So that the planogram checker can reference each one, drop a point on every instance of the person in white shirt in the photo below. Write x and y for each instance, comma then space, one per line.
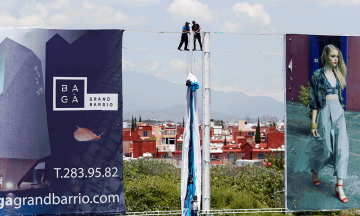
194, 206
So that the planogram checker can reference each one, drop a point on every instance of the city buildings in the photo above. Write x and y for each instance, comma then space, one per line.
228, 143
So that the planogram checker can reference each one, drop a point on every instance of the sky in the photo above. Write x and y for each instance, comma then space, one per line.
252, 73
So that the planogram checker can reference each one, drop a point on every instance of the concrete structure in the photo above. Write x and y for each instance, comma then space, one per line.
240, 145
241, 125
23, 130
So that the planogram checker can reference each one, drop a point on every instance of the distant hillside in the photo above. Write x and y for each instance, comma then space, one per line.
146, 93
174, 113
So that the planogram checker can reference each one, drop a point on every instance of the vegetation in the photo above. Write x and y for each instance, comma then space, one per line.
132, 123
272, 124
257, 135
304, 96
152, 185
276, 161
153, 138
219, 123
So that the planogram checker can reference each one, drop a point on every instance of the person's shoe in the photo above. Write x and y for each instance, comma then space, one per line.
194, 49
317, 182
179, 49
186, 49
344, 200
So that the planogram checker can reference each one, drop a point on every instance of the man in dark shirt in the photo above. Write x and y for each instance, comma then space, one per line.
196, 29
184, 36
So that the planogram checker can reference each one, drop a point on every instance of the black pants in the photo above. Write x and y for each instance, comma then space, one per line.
184, 39
197, 36
194, 213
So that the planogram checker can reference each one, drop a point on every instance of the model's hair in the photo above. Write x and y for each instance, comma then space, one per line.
340, 69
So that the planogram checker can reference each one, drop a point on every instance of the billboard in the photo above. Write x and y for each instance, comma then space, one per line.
322, 122
61, 122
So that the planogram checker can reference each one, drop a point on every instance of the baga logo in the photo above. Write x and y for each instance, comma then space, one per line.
70, 94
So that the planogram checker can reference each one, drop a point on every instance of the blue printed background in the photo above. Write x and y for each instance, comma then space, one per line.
97, 55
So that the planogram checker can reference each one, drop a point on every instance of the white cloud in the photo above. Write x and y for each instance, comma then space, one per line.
256, 12
276, 94
66, 13
34, 20
8, 4
139, 3
99, 14
59, 18
6, 20
153, 66
231, 27
26, 20
177, 82
130, 21
178, 64
88, 6
126, 64
236, 72
191, 9
336, 2
243, 86
59, 4
42, 9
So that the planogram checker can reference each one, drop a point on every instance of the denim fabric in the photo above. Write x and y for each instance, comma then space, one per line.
331, 146
318, 90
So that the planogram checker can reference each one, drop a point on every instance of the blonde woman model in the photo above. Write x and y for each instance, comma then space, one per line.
328, 142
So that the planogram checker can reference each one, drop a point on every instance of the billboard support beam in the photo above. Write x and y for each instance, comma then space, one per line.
206, 93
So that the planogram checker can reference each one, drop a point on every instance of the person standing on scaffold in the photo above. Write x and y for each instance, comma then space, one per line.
184, 36
196, 29
194, 206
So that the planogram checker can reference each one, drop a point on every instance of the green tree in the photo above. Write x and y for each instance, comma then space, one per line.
148, 122
225, 141
135, 122
139, 119
132, 123
183, 122
257, 135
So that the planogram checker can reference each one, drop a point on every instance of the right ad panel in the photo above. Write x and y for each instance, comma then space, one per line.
322, 122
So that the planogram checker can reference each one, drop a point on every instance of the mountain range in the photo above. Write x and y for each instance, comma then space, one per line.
154, 98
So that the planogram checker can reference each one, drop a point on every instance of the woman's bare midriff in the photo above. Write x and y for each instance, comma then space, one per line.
332, 96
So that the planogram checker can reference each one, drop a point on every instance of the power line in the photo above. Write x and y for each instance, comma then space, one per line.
256, 52
171, 32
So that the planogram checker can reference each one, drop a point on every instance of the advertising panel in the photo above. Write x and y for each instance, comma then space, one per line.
322, 122
61, 122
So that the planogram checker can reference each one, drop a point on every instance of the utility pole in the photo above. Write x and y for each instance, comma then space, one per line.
206, 93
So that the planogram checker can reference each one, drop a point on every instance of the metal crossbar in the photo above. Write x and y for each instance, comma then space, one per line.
176, 212
213, 212
244, 211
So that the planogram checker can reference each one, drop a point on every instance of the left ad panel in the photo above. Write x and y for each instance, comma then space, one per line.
61, 113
